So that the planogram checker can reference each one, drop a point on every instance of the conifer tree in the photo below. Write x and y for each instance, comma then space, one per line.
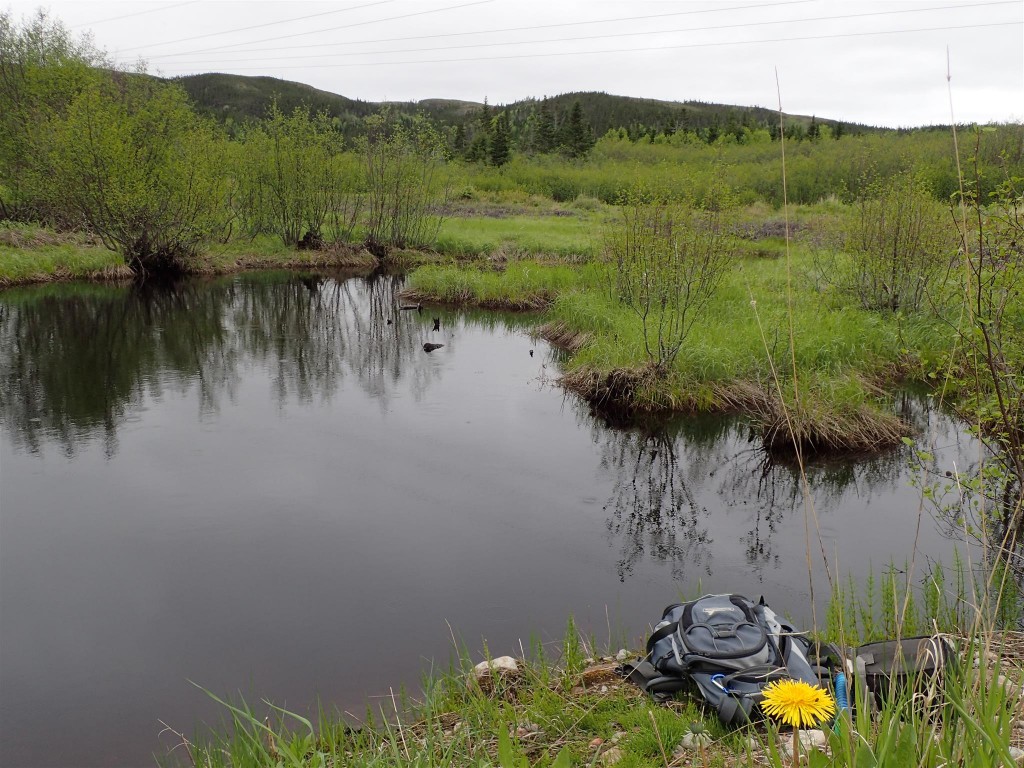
480, 147
545, 137
500, 140
578, 137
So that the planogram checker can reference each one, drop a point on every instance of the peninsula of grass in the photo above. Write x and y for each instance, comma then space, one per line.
850, 361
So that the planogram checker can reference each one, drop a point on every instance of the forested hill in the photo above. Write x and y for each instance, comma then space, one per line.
235, 99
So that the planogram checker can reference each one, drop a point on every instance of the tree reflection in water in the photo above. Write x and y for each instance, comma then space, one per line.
652, 509
76, 360
667, 481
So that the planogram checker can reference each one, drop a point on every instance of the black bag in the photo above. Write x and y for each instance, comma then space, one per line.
916, 662
729, 647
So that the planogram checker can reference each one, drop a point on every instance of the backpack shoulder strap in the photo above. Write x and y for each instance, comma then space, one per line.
658, 634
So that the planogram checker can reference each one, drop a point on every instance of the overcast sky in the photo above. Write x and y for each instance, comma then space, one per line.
881, 62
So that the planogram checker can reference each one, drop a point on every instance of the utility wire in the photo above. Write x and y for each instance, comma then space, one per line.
507, 29
581, 23
343, 26
610, 35
258, 26
646, 49
136, 13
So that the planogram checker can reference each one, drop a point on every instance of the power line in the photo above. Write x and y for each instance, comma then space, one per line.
647, 49
136, 13
257, 26
572, 24
619, 34
343, 26
507, 29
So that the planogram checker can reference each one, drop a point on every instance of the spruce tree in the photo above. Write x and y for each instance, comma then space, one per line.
545, 137
480, 147
500, 140
578, 138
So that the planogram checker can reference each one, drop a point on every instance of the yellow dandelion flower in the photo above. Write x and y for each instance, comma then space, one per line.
797, 703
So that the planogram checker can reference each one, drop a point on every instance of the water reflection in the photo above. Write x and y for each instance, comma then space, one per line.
669, 481
76, 361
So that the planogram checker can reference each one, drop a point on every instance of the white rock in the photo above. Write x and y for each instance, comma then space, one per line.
1017, 753
812, 738
611, 757
500, 665
622, 655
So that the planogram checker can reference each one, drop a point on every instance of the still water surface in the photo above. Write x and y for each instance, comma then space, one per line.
261, 485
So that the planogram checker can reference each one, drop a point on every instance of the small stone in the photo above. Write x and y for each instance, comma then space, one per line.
600, 674
611, 757
595, 743
604, 689
1017, 754
617, 736
485, 673
622, 655
500, 665
812, 738
588, 660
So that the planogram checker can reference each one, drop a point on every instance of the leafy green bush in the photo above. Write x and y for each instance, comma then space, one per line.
406, 180
293, 178
133, 161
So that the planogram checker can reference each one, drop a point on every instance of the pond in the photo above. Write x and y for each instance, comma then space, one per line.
264, 484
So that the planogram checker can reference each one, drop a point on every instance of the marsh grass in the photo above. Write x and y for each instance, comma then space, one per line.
558, 235
521, 285
30, 254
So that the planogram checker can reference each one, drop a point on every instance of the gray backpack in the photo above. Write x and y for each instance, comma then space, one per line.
728, 647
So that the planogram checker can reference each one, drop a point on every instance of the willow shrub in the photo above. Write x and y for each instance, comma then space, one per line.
135, 163
294, 180
407, 182
665, 261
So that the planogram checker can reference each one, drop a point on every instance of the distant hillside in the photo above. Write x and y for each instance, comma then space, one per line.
234, 99
238, 99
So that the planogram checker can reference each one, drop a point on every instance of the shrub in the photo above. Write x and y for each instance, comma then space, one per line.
406, 179
664, 261
293, 180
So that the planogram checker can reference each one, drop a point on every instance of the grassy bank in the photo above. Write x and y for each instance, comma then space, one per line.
566, 705
32, 254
